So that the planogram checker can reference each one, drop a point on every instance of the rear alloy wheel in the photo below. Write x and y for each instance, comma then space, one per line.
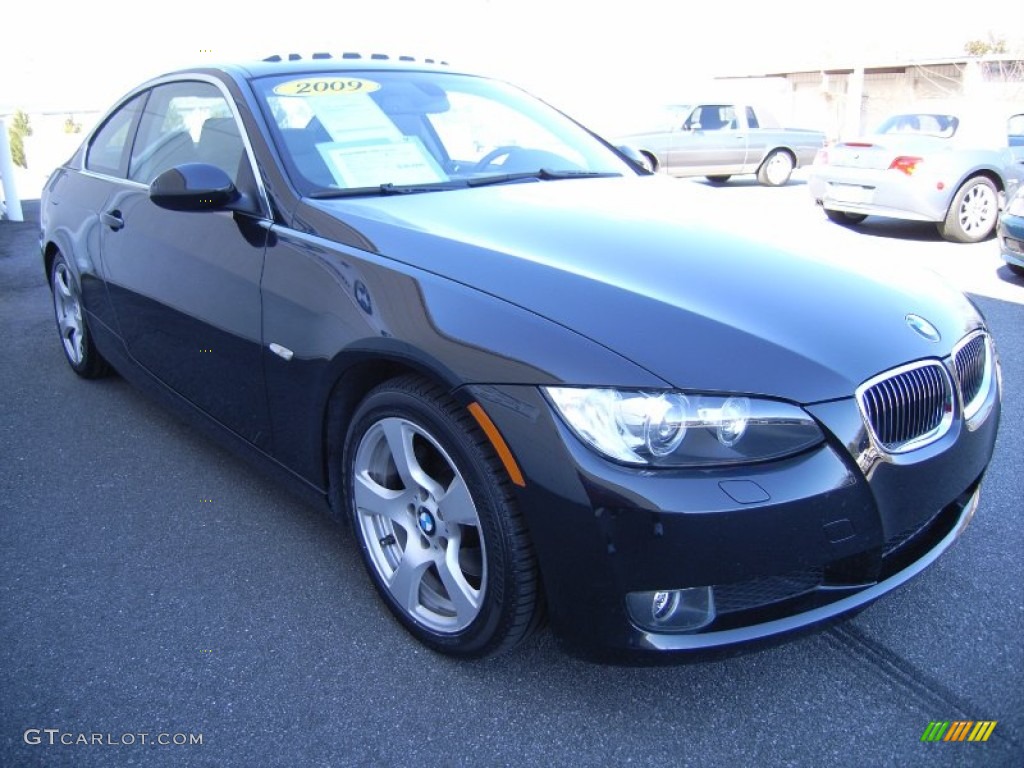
972, 215
776, 168
844, 218
437, 522
79, 350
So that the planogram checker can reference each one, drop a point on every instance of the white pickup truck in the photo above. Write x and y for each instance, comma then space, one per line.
723, 139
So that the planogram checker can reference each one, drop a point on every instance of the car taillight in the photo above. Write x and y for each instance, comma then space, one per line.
905, 164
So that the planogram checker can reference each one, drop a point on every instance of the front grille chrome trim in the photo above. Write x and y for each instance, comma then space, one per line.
908, 407
973, 367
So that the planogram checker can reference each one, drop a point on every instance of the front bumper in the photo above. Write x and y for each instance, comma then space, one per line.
783, 545
1011, 239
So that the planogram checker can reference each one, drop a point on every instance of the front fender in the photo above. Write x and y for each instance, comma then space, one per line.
329, 309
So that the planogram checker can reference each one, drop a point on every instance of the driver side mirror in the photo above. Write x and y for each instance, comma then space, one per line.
640, 159
194, 187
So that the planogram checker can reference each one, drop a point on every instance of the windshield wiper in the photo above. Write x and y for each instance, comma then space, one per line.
545, 174
382, 189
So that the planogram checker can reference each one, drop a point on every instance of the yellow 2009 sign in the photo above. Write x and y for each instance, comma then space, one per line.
326, 86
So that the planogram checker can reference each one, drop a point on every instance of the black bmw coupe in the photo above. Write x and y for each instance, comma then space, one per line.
536, 385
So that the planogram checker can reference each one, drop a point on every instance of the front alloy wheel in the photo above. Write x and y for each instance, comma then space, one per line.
437, 523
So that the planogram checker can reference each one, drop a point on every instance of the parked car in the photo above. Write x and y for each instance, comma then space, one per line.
951, 164
725, 139
1011, 232
529, 380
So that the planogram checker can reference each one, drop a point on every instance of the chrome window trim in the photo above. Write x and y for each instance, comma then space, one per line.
263, 200
108, 177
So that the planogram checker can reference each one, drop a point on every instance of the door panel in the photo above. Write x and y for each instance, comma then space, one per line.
185, 286
718, 145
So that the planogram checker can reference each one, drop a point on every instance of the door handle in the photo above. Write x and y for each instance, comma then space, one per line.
112, 219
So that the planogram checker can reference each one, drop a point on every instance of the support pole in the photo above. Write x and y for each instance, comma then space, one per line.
854, 104
11, 200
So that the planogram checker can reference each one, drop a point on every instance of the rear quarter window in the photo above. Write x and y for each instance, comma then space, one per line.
109, 147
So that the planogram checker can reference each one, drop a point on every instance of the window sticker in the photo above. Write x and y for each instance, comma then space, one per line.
401, 162
354, 119
326, 86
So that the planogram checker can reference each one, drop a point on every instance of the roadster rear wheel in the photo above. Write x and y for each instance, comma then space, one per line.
972, 214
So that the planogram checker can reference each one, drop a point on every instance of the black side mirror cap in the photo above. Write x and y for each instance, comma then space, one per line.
194, 187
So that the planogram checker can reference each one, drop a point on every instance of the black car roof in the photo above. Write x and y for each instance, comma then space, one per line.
291, 63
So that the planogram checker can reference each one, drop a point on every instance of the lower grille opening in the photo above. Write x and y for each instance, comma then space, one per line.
906, 548
767, 598
754, 593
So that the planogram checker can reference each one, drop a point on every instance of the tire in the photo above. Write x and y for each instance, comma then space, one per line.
718, 179
437, 523
973, 213
79, 350
844, 218
776, 168
1017, 269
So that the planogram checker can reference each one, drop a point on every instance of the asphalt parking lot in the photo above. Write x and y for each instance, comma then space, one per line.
152, 583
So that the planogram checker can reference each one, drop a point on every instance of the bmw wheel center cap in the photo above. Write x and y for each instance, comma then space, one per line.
426, 521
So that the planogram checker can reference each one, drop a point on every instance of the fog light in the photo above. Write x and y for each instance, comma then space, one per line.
675, 610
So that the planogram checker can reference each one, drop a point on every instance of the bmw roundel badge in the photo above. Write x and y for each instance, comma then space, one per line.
923, 328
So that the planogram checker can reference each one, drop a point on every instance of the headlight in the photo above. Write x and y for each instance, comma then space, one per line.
1016, 205
676, 429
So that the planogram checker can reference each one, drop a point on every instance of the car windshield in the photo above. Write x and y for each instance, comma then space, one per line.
380, 132
922, 124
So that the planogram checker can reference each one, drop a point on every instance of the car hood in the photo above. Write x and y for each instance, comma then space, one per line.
629, 264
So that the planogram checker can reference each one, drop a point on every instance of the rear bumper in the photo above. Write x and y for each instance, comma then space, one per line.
879, 193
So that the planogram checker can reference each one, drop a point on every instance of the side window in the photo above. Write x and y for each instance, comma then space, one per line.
1015, 131
108, 150
751, 118
713, 117
727, 115
187, 122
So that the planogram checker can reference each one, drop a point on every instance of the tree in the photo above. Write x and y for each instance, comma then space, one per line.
20, 128
983, 47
